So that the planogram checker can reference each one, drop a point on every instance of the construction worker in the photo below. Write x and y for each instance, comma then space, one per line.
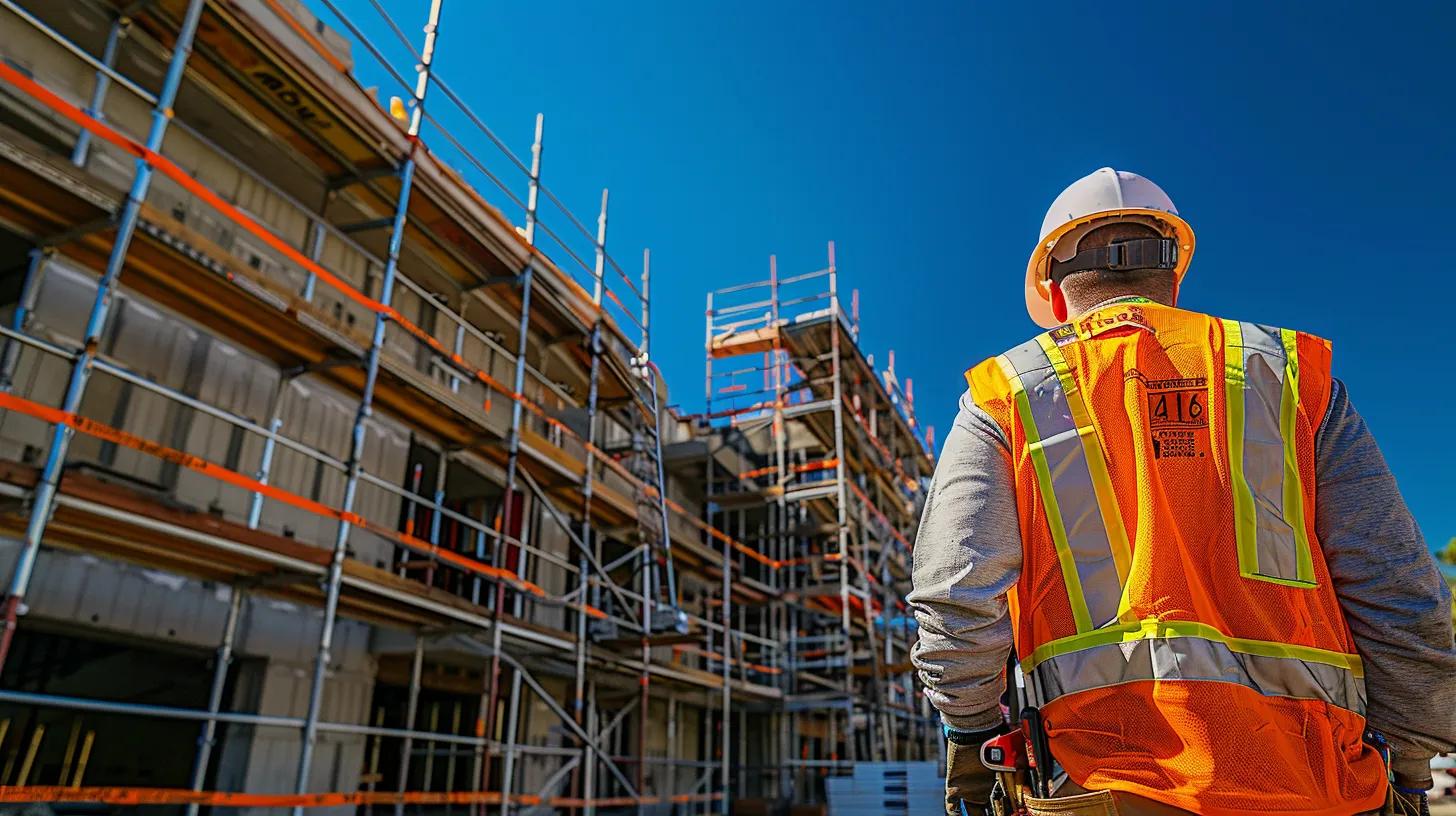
1217, 598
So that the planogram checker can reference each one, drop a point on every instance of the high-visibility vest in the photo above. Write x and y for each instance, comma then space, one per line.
1174, 618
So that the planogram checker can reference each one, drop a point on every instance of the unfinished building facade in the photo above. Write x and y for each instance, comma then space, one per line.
325, 483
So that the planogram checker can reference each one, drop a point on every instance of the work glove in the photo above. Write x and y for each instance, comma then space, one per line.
966, 778
1406, 802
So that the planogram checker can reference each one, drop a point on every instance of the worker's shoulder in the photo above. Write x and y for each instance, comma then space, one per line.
989, 376
1186, 314
986, 377
1309, 343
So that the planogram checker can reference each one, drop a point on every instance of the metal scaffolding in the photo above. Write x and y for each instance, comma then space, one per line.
796, 376
45, 492
627, 607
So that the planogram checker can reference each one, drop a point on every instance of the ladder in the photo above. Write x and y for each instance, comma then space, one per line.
651, 502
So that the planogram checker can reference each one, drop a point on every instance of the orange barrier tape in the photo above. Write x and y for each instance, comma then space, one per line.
757, 667
621, 801
756, 472
734, 412
807, 467
179, 796
106, 433
165, 166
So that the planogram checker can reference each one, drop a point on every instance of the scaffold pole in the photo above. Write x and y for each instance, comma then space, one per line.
43, 500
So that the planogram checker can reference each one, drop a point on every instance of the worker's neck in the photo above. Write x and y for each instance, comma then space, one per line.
1077, 310
1084, 299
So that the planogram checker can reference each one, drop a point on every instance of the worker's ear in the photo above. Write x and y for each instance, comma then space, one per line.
1059, 302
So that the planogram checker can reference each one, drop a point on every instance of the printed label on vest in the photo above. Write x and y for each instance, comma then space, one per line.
1177, 416
1127, 315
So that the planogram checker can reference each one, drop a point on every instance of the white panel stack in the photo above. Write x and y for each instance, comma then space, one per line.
880, 788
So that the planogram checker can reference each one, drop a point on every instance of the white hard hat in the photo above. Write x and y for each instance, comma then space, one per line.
1090, 201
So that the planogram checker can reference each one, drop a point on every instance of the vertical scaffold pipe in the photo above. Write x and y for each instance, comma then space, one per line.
224, 659
412, 706
725, 769
43, 501
508, 772
265, 462
514, 701
578, 708
366, 409
708, 465
649, 567
589, 786
518, 383
97, 106
841, 501
649, 371
40, 258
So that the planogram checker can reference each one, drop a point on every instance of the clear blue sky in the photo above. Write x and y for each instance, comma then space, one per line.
1310, 145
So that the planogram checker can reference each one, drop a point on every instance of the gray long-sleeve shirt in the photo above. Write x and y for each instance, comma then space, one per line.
968, 554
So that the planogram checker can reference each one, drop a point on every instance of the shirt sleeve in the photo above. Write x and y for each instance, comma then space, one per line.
967, 555
1394, 598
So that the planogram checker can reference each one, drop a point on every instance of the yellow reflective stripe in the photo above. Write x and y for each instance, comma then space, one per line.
1193, 660
1096, 462
1293, 485
1049, 498
1154, 628
1245, 516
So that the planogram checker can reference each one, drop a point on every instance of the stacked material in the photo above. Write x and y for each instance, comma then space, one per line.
887, 788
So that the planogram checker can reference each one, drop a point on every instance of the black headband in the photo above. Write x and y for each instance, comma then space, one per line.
1139, 253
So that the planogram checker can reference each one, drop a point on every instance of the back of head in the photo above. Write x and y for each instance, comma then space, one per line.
1088, 287
1109, 233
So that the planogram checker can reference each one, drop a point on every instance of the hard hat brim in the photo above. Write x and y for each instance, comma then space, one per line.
1038, 268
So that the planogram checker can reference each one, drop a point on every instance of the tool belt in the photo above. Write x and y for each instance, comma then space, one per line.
1013, 798
1096, 803
1013, 794
1019, 802
1025, 769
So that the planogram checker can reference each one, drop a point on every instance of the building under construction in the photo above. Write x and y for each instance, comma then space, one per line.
337, 471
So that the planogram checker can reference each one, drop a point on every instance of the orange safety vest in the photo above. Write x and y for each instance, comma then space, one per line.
1174, 618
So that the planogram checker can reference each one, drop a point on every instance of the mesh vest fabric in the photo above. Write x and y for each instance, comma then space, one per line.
1201, 659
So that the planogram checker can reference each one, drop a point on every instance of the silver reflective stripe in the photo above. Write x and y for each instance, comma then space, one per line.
1276, 546
1177, 659
1071, 480
1264, 448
